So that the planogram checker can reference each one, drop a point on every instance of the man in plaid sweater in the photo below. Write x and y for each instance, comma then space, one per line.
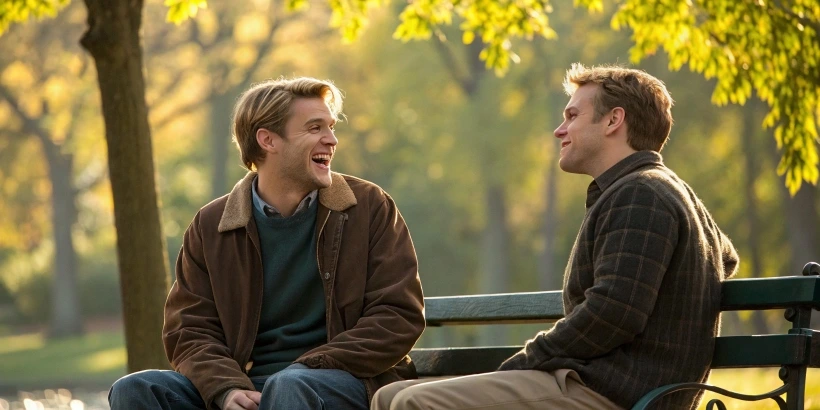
642, 285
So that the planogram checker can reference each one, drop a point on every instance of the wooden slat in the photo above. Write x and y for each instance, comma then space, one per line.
761, 351
528, 307
771, 293
459, 361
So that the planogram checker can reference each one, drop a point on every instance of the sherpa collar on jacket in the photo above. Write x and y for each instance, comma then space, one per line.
239, 206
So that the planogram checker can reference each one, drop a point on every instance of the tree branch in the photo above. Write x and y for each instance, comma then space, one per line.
30, 125
182, 110
802, 20
449, 60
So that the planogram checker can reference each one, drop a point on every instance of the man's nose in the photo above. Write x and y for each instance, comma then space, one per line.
560, 131
330, 139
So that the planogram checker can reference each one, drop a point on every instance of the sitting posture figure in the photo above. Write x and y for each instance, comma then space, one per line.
642, 284
300, 288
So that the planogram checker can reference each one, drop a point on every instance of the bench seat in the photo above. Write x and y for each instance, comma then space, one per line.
794, 351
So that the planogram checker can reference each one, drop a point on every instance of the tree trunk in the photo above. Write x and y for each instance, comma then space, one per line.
548, 277
113, 40
495, 266
221, 106
748, 133
802, 222
66, 319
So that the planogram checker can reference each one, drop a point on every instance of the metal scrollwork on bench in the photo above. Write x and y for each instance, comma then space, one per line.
811, 269
656, 395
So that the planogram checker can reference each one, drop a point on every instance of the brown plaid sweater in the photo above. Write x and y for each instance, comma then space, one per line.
641, 289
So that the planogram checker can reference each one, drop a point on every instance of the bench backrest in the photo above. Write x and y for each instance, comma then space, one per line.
799, 295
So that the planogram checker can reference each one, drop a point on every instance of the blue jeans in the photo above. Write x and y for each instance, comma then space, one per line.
296, 387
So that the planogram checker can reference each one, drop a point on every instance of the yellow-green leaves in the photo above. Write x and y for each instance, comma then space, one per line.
181, 10
350, 16
495, 22
12, 11
297, 5
591, 5
760, 46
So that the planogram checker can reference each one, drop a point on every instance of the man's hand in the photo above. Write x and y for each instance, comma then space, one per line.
242, 400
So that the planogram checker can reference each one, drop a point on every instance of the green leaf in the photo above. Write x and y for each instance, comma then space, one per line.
17, 11
181, 10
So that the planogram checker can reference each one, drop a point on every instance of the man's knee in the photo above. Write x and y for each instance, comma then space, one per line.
127, 387
385, 395
411, 398
290, 379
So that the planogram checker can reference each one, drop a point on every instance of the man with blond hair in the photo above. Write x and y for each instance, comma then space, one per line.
297, 290
642, 285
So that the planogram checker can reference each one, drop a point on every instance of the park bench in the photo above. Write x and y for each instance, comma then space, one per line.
793, 351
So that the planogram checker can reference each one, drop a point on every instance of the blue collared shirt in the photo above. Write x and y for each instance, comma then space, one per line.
272, 212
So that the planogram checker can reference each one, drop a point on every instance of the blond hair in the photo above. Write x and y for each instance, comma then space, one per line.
267, 105
643, 97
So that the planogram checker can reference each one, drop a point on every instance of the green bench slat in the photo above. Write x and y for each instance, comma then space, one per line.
801, 347
496, 308
737, 294
761, 351
730, 352
459, 361
770, 293
531, 307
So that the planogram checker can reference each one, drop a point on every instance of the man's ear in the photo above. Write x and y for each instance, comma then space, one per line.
616, 120
268, 140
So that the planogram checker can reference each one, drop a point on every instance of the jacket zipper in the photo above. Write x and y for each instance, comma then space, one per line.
247, 356
318, 237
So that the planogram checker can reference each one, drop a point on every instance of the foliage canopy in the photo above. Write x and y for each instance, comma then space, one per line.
21, 10
769, 47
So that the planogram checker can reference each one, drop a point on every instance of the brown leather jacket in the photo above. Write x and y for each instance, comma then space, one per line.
374, 303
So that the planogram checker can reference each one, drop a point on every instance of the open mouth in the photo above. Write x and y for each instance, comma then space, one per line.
564, 143
321, 159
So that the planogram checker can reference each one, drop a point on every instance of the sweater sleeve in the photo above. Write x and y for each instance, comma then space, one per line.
635, 237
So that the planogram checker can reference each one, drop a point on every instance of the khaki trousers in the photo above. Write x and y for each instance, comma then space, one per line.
508, 390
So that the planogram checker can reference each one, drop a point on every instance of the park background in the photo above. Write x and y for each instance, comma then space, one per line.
467, 153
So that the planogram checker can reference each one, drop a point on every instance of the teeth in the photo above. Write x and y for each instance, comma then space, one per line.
325, 157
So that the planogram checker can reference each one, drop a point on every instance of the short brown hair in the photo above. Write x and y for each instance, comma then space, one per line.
643, 97
267, 105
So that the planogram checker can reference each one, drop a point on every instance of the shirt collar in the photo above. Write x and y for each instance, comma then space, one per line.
619, 170
270, 211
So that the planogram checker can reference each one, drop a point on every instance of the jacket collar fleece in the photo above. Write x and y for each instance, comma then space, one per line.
239, 207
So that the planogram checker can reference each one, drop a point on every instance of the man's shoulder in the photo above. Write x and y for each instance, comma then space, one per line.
652, 186
211, 213
364, 189
656, 179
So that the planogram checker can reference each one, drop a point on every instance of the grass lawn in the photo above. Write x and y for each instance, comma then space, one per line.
29, 361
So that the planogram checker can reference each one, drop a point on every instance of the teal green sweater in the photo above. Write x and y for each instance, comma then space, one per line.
293, 303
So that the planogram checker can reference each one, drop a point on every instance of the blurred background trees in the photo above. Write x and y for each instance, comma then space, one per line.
469, 156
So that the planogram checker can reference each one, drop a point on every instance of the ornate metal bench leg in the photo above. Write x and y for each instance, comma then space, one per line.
656, 395
795, 378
